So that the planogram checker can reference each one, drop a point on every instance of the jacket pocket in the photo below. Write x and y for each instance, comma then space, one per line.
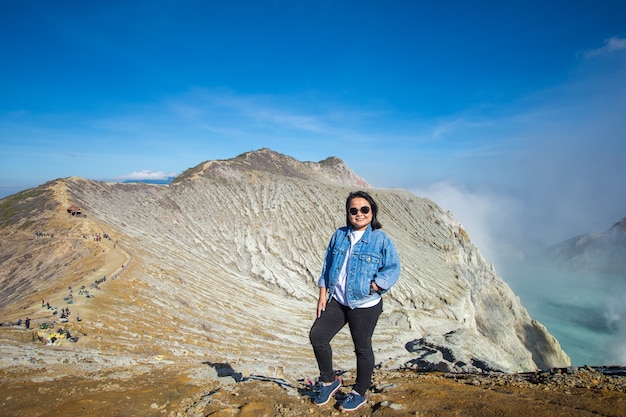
367, 270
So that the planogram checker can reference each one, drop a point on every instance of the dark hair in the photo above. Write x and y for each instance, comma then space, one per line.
375, 223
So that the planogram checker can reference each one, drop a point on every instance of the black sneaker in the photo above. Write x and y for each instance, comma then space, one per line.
327, 392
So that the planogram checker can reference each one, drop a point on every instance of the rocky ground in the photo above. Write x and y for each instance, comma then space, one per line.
179, 390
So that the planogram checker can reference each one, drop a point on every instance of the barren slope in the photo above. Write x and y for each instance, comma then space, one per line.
221, 266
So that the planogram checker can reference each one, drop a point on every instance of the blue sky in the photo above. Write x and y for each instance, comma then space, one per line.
510, 114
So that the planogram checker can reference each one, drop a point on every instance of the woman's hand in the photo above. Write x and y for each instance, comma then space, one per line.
321, 302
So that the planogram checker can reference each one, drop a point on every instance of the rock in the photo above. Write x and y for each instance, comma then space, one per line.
256, 409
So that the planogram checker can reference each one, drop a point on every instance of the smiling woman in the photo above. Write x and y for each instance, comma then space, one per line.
360, 265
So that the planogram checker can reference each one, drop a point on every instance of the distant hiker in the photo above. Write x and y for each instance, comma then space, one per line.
27, 323
360, 265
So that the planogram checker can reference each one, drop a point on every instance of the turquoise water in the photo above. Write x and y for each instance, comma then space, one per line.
586, 312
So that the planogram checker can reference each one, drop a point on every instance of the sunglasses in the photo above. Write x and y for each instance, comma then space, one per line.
354, 210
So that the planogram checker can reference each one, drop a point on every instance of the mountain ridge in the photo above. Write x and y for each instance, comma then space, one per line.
225, 266
331, 170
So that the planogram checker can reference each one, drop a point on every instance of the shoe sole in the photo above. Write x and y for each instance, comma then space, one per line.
332, 394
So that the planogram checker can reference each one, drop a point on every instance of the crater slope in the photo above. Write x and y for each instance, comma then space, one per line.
221, 267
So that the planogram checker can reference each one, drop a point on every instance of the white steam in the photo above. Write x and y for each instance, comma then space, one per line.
615, 315
490, 219
585, 311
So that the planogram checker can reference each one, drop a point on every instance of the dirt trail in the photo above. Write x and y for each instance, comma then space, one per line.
69, 288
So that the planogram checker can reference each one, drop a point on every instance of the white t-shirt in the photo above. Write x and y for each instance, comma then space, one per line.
340, 287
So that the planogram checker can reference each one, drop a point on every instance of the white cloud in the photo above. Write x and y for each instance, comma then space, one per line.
610, 45
147, 175
249, 115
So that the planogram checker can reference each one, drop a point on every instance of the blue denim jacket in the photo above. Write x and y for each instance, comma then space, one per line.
374, 258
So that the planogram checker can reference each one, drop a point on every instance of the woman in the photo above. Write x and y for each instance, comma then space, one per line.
360, 265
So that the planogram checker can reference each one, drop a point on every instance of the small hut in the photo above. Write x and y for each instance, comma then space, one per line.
74, 210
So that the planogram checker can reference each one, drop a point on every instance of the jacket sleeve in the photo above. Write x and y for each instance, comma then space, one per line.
389, 272
328, 262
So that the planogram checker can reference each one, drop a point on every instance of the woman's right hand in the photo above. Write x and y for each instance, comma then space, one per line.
321, 302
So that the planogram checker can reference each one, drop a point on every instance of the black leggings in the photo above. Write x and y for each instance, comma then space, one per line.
362, 322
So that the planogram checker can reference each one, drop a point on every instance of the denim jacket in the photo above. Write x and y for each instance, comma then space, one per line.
374, 258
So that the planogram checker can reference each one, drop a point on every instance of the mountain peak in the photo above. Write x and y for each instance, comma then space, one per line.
265, 161
601, 252
620, 226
